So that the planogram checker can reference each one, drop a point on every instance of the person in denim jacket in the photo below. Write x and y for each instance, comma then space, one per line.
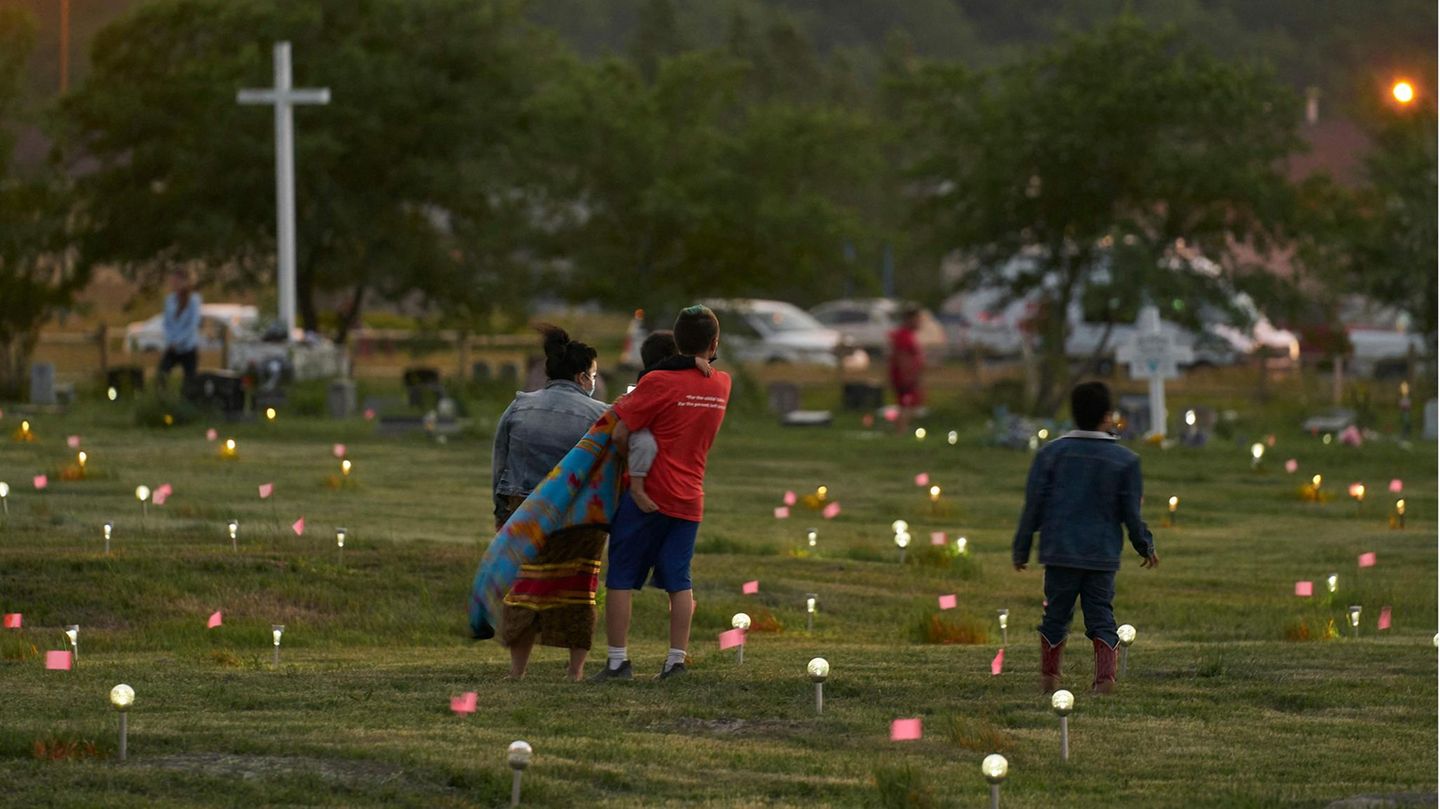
553, 600
1082, 489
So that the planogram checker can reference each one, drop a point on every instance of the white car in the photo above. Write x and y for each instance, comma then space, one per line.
867, 323
217, 321
1382, 338
761, 331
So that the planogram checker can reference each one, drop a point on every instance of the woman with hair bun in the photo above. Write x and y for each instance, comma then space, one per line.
553, 599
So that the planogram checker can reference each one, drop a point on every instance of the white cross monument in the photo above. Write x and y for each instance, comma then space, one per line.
284, 96
1153, 354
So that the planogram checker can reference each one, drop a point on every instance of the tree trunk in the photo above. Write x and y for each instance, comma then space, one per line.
351, 316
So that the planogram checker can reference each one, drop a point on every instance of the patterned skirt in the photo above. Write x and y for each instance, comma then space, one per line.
554, 595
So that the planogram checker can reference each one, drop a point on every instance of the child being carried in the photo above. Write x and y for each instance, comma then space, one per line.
659, 353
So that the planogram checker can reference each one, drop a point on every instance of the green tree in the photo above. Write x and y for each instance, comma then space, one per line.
1105, 160
400, 180
37, 276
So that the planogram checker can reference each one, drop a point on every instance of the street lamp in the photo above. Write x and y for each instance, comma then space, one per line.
122, 697
995, 768
818, 669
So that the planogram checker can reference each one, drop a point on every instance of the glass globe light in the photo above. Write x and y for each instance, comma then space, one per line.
108, 528
919, 433
1062, 702
4, 489
1126, 633
345, 467
229, 445
995, 768
902, 539
1004, 616
1315, 481
1174, 503
276, 630
740, 621
81, 457
810, 603
122, 697
1257, 451
270, 413
822, 492
953, 438
1043, 434
519, 754
962, 545
1189, 418
811, 536
111, 393
339, 537
899, 526
818, 668
142, 493
1354, 615
1332, 582
234, 528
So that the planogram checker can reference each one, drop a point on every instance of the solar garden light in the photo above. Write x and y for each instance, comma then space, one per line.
340, 544
111, 393
962, 546
1004, 617
230, 451
740, 621
810, 612
276, 630
234, 528
1332, 582
995, 768
80, 458
818, 669
122, 697
72, 633
1357, 491
5, 497
1174, 511
345, 467
1062, 702
107, 529
822, 492
902, 537
1257, 451
1355, 619
1127, 637
142, 493
953, 438
934, 494
270, 414
811, 535
1399, 513
519, 754
919, 433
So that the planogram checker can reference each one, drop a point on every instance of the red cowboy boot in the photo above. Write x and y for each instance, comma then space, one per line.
1104, 668
1050, 665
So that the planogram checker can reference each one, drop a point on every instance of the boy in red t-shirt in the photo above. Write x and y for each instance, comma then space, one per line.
683, 410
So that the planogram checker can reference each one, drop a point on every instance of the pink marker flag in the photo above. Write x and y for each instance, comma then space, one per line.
947, 602
831, 511
1367, 559
1384, 622
782, 512
998, 663
338, 450
465, 703
266, 489
731, 638
41, 481
211, 434
13, 620
922, 479
73, 442
905, 730
369, 414
1304, 589
1292, 465
937, 538
750, 588
298, 527
1397, 486
214, 620
159, 497
789, 498
165, 489
56, 660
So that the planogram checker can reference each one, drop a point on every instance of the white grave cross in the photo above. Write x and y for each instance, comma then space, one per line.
284, 96
1154, 354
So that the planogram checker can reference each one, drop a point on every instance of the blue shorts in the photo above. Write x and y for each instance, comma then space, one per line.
641, 542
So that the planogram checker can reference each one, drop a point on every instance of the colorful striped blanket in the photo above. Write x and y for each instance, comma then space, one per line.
583, 489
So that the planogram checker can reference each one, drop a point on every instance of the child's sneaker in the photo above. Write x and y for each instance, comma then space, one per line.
677, 670
607, 674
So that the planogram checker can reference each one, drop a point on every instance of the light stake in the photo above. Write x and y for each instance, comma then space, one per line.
810, 612
1063, 702
1315, 485
995, 768
934, 494
821, 493
1004, 617
270, 414
1400, 513
1357, 491
1174, 511
1127, 637
234, 528
5, 497
1257, 451
902, 540
811, 535
72, 632
919, 433
111, 393
962, 546
1332, 582
122, 697
1043, 434
345, 467
1355, 619
276, 630
519, 755
953, 438
740, 621
142, 493
340, 545
230, 450
108, 529
80, 458
818, 669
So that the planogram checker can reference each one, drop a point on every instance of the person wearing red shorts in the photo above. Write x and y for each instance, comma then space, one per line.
907, 364
683, 410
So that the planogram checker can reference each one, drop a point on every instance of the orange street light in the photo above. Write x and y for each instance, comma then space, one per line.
1403, 91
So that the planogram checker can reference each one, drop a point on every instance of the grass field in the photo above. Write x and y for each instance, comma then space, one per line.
1222, 706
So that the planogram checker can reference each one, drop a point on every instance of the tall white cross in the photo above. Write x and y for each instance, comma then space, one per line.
284, 96
1155, 355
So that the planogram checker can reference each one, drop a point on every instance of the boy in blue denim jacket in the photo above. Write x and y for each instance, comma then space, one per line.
1082, 488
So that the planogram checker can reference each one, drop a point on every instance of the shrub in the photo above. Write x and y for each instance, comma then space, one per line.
904, 788
936, 627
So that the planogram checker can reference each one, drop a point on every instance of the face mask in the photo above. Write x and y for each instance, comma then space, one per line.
591, 392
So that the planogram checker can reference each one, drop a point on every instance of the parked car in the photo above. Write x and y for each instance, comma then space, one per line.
762, 331
218, 321
867, 322
1382, 338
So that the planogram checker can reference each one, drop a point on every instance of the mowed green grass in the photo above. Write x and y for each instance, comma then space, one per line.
1218, 708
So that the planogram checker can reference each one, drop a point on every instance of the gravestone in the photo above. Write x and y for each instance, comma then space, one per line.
1154, 355
42, 383
340, 398
222, 390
